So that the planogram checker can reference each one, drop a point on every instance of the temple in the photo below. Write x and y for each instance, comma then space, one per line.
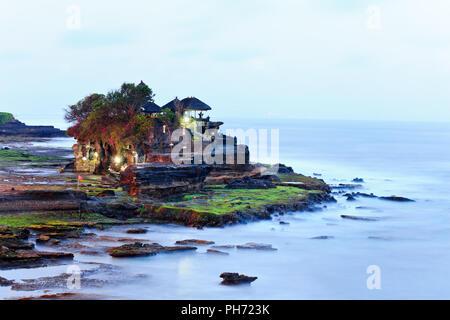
191, 116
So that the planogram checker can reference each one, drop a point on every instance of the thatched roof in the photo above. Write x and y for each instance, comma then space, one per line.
150, 107
171, 105
193, 103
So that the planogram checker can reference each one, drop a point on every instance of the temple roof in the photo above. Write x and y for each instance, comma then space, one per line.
193, 103
150, 107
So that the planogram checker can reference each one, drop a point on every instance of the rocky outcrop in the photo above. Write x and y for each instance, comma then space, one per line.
41, 200
233, 278
249, 183
17, 128
193, 241
162, 180
138, 249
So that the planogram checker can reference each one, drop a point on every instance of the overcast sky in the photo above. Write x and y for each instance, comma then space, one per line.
382, 60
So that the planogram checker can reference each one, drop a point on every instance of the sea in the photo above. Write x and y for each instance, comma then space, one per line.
402, 252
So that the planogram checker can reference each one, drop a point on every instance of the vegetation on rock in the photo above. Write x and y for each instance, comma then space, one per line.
5, 117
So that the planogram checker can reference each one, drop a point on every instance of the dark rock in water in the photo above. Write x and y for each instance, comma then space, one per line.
213, 251
236, 278
14, 258
224, 246
17, 128
106, 193
344, 216
358, 180
193, 241
350, 198
5, 282
139, 249
249, 183
256, 246
360, 194
283, 169
284, 222
322, 237
12, 238
162, 180
137, 231
346, 186
395, 198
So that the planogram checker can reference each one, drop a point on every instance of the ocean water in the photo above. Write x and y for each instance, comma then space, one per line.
409, 243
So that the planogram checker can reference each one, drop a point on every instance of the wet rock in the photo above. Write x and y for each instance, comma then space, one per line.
140, 249
284, 223
358, 180
233, 278
351, 198
224, 246
10, 257
12, 238
56, 282
106, 193
43, 238
137, 231
344, 216
218, 252
194, 241
346, 186
322, 237
256, 246
67, 296
249, 183
133, 250
5, 282
395, 198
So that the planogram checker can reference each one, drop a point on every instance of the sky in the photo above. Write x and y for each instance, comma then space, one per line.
266, 59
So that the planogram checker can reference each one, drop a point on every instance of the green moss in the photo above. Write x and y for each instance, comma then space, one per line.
223, 201
5, 117
17, 155
296, 177
22, 220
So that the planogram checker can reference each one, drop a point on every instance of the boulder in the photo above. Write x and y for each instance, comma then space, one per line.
256, 246
218, 252
140, 249
137, 231
194, 241
233, 278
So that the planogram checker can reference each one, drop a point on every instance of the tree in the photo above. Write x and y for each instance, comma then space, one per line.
112, 122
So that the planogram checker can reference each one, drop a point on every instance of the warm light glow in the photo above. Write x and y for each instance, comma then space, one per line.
84, 159
96, 154
117, 159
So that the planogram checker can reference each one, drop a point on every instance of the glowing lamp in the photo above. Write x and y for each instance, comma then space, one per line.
117, 160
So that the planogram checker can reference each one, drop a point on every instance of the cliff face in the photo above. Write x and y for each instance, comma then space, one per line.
161, 180
17, 128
